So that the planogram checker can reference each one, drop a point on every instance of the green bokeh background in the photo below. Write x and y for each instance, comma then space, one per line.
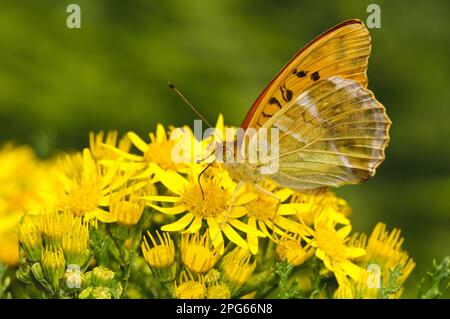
57, 84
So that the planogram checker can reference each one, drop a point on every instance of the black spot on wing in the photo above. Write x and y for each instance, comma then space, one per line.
315, 76
301, 74
286, 93
274, 100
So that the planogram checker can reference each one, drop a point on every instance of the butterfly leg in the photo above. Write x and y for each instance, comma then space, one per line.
266, 192
233, 198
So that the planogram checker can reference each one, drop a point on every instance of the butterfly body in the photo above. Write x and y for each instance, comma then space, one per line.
331, 130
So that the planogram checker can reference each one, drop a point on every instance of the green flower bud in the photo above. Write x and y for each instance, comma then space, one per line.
36, 269
24, 274
102, 276
85, 293
101, 293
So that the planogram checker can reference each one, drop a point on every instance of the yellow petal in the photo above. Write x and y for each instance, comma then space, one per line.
110, 174
168, 199
344, 231
246, 228
263, 227
320, 254
238, 212
351, 269
180, 224
146, 174
289, 209
160, 134
172, 180
125, 155
195, 226
215, 233
104, 217
233, 236
88, 163
288, 224
252, 239
169, 210
283, 194
138, 142
220, 124
355, 252
245, 198
327, 263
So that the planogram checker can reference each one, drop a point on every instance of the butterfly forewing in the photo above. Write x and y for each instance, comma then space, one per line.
341, 51
333, 133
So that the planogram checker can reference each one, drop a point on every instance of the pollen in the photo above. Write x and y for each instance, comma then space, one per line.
329, 241
212, 203
161, 154
82, 199
263, 208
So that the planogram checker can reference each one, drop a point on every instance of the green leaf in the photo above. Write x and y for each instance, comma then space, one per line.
438, 280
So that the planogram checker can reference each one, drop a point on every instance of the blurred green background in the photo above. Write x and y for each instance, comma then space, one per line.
57, 84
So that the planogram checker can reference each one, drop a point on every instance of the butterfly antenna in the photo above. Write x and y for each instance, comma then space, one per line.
174, 88
200, 175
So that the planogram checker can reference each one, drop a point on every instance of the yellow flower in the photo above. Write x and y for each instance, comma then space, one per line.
189, 288
384, 252
211, 205
87, 187
176, 152
160, 256
22, 180
127, 206
197, 254
331, 248
100, 152
236, 268
291, 250
309, 206
266, 212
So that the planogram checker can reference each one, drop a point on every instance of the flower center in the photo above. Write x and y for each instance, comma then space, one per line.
82, 199
213, 202
161, 154
330, 242
262, 208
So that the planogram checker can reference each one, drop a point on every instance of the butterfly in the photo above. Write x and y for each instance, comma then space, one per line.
332, 130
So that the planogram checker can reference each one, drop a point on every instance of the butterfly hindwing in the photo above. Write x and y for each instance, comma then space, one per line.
341, 51
333, 133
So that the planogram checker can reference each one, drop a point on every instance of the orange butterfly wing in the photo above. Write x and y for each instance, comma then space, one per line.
341, 51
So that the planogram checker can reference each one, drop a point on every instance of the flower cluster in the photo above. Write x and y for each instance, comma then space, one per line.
123, 218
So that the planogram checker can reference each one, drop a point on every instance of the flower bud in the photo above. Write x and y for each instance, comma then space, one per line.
31, 241
53, 266
101, 293
102, 276
236, 269
219, 291
160, 256
24, 274
197, 254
